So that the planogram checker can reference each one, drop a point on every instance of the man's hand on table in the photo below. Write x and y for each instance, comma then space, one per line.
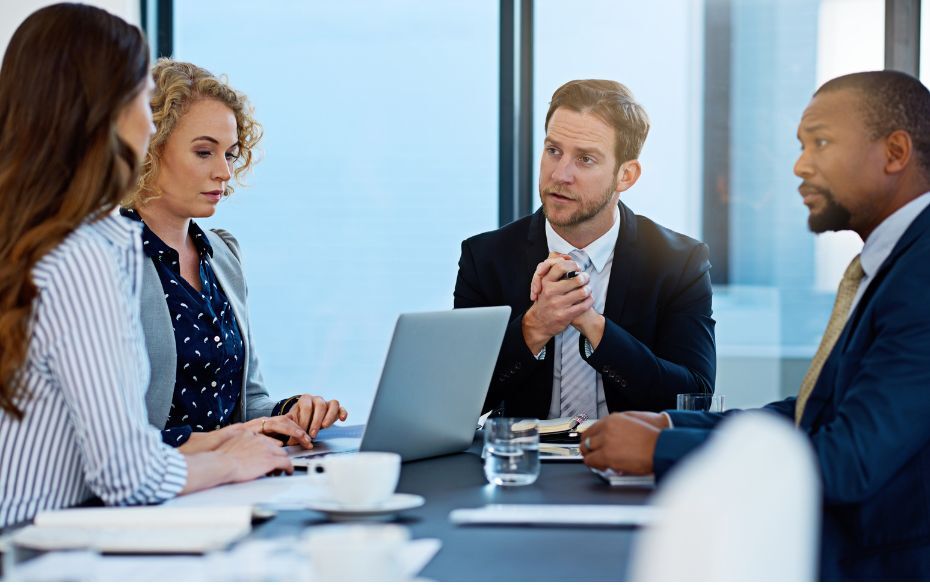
624, 442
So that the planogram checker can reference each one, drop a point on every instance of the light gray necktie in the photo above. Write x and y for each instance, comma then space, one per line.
578, 389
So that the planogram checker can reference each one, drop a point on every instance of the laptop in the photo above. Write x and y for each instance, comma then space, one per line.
433, 385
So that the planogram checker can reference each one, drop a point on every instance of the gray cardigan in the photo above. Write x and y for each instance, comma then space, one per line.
254, 402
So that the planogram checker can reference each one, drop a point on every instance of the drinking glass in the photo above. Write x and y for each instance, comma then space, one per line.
511, 448
705, 402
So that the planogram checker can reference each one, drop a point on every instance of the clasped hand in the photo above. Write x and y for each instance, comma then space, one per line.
559, 303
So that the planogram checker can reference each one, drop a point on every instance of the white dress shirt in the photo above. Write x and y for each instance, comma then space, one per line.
883, 239
85, 430
601, 253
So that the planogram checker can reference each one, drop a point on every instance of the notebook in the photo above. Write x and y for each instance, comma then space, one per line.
147, 529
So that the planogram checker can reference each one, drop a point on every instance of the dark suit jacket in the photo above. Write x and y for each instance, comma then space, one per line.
868, 419
659, 336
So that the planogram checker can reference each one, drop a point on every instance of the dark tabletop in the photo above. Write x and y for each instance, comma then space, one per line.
503, 553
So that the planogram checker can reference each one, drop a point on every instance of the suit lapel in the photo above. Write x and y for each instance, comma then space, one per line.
537, 248
624, 265
825, 386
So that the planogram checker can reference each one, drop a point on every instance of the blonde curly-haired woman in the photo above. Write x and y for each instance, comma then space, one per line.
205, 372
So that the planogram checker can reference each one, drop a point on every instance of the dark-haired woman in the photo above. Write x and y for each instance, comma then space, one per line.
74, 125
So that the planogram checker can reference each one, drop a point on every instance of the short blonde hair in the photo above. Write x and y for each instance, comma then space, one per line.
177, 86
613, 103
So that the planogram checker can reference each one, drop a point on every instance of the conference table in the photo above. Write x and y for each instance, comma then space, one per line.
503, 553
495, 552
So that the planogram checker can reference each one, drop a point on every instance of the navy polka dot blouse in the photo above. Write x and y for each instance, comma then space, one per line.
210, 351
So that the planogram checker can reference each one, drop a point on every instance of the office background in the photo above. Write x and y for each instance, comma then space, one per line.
394, 129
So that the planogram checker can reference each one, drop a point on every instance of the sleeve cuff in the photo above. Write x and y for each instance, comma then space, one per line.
668, 418
283, 406
541, 355
176, 436
588, 348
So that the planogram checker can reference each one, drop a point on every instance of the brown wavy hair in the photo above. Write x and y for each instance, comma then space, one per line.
67, 74
178, 85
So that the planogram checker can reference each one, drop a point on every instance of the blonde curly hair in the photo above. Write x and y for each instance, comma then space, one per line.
177, 86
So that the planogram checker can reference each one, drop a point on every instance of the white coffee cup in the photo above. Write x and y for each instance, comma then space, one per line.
357, 552
357, 479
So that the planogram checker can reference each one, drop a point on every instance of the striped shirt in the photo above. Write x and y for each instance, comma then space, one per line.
85, 431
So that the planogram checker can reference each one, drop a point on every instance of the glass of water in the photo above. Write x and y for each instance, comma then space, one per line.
704, 402
511, 448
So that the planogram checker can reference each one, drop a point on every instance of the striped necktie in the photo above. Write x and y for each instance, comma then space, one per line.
844, 298
578, 388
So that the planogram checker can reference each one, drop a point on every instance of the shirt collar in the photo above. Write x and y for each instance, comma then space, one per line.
116, 230
600, 251
154, 247
882, 240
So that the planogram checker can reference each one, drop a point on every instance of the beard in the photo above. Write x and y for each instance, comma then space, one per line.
587, 210
833, 217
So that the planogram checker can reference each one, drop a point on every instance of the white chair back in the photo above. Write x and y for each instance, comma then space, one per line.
745, 507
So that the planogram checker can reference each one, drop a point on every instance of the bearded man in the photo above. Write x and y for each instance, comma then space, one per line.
611, 311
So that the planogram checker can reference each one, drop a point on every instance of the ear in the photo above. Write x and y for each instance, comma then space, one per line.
899, 149
628, 175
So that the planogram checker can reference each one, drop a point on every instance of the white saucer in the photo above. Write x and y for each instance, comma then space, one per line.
384, 510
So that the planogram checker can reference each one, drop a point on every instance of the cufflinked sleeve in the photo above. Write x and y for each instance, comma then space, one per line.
683, 356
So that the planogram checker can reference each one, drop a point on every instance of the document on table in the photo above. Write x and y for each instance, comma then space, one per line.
555, 515
283, 492
280, 559
617, 479
149, 529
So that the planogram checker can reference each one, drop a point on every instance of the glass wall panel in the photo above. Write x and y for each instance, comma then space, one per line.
380, 156
731, 153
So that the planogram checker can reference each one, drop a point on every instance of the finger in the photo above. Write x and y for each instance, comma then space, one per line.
562, 287
559, 268
541, 270
596, 460
283, 463
284, 425
304, 408
343, 414
579, 295
332, 412
319, 410
579, 309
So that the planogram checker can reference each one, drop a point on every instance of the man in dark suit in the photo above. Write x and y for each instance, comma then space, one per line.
865, 402
611, 311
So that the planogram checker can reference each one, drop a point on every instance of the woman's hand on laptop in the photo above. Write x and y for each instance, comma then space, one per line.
282, 428
313, 413
254, 455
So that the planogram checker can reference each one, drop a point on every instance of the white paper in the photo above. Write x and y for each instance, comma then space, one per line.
617, 479
542, 514
145, 517
150, 529
254, 560
279, 493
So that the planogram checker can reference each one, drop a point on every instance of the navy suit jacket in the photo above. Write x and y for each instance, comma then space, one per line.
659, 336
868, 419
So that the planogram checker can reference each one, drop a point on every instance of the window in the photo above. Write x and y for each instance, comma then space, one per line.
725, 83
381, 149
